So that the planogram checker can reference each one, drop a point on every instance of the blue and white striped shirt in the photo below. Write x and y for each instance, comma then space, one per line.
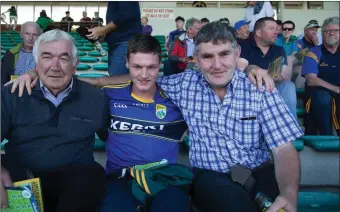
219, 136
25, 62
56, 100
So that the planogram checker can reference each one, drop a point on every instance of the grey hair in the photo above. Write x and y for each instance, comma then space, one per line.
331, 20
55, 35
190, 22
216, 32
31, 23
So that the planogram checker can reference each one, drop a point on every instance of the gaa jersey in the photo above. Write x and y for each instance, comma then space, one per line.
141, 131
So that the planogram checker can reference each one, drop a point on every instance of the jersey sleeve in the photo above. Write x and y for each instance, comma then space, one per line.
311, 62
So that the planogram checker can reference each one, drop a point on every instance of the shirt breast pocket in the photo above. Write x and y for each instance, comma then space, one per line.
247, 132
80, 127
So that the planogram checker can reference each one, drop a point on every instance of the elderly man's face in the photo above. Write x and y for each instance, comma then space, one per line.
217, 62
330, 34
55, 65
29, 35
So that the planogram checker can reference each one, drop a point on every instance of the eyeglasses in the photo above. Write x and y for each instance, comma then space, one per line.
289, 29
329, 31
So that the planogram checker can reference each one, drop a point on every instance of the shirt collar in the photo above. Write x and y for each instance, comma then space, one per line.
24, 51
44, 89
187, 38
324, 49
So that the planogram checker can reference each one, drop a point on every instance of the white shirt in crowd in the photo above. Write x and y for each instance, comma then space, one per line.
266, 11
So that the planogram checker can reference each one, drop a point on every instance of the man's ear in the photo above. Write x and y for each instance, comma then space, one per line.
127, 63
238, 51
258, 32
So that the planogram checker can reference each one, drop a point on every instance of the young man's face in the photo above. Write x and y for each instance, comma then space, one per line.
287, 30
268, 32
217, 62
179, 24
144, 69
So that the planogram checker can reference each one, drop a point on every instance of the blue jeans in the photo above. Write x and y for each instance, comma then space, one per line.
117, 59
119, 198
287, 91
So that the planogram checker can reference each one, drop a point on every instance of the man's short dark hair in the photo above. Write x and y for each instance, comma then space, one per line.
225, 20
279, 22
67, 12
205, 20
143, 43
179, 18
261, 22
216, 32
289, 22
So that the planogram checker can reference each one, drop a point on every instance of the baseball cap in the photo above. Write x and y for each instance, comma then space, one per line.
312, 24
240, 24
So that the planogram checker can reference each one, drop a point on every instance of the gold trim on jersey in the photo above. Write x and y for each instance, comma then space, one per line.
119, 85
141, 99
145, 134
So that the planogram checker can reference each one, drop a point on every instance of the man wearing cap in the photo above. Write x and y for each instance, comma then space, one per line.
310, 38
242, 30
321, 69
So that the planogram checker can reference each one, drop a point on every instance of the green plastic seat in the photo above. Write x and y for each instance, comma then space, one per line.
94, 54
299, 145
99, 144
92, 75
300, 91
164, 54
83, 41
105, 59
104, 44
79, 44
81, 53
322, 143
318, 201
300, 111
186, 141
164, 60
7, 47
88, 59
106, 48
5, 141
100, 67
83, 67
7, 44
89, 44
85, 48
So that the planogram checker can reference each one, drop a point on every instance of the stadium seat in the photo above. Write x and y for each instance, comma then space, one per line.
88, 59
3, 144
85, 48
100, 67
7, 47
300, 91
83, 67
299, 145
318, 201
89, 44
164, 54
300, 111
79, 44
322, 143
105, 59
99, 144
92, 75
7, 44
81, 53
83, 41
94, 54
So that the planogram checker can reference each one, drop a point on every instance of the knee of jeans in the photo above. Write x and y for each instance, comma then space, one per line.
321, 98
288, 91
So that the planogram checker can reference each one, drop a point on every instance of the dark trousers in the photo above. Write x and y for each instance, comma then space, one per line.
216, 192
119, 198
319, 119
76, 188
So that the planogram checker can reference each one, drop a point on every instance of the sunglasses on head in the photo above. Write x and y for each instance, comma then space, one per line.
313, 22
289, 29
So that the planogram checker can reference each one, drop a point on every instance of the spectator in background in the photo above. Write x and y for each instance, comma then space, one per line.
147, 29
279, 27
97, 18
67, 17
260, 51
179, 30
66, 27
287, 40
43, 21
85, 18
257, 10
182, 49
242, 30
225, 20
122, 22
19, 59
204, 21
321, 69
310, 38
13, 16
